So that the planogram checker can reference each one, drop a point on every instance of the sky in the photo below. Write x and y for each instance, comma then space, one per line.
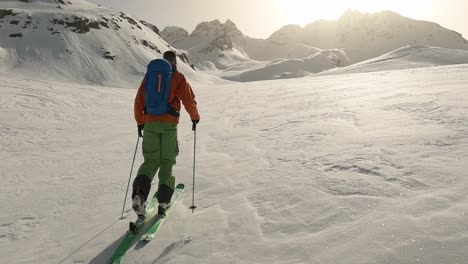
260, 18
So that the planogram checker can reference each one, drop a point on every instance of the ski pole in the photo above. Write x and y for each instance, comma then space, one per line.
194, 128
131, 170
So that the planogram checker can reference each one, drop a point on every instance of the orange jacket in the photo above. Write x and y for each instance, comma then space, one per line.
180, 90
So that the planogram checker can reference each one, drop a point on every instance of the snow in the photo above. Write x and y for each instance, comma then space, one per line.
353, 168
319, 61
80, 42
411, 56
308, 157
87, 44
67, 4
288, 52
376, 33
173, 34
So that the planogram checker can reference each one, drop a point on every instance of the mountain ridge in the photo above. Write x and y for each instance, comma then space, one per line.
87, 43
218, 47
380, 32
79, 41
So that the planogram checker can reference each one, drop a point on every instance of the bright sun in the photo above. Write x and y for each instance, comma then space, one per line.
303, 12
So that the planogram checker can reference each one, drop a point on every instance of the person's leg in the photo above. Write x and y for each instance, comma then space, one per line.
152, 160
169, 152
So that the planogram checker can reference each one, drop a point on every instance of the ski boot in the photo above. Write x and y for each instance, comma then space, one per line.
162, 209
139, 207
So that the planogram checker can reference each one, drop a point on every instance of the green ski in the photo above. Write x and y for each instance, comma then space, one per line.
157, 221
130, 238
143, 225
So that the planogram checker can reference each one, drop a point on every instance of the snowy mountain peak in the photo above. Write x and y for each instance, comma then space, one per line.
351, 13
285, 34
215, 29
386, 16
173, 34
373, 34
296, 51
79, 42
291, 28
211, 37
230, 23
206, 28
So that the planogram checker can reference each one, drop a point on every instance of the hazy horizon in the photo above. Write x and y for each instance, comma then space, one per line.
261, 18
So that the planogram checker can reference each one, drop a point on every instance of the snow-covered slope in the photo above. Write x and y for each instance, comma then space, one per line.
405, 58
320, 61
327, 62
78, 41
365, 36
212, 45
292, 51
345, 169
81, 42
222, 50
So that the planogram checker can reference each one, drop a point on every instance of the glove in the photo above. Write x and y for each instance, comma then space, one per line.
194, 124
140, 130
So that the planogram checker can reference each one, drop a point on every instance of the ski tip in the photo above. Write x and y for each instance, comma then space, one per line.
180, 186
147, 239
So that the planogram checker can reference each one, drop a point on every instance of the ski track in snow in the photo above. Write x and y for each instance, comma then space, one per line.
356, 168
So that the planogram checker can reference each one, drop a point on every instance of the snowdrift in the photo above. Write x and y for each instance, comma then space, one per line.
290, 68
411, 56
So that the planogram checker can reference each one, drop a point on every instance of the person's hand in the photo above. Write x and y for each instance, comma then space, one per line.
140, 130
194, 124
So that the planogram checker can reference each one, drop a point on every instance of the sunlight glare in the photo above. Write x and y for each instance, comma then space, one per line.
303, 12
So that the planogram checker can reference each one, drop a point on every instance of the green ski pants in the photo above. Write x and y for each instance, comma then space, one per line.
160, 149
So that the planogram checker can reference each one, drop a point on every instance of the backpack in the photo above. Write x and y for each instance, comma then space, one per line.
157, 87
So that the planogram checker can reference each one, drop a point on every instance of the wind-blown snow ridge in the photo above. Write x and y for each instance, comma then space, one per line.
406, 57
290, 68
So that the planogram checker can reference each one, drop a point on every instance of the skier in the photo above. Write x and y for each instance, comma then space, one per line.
160, 146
